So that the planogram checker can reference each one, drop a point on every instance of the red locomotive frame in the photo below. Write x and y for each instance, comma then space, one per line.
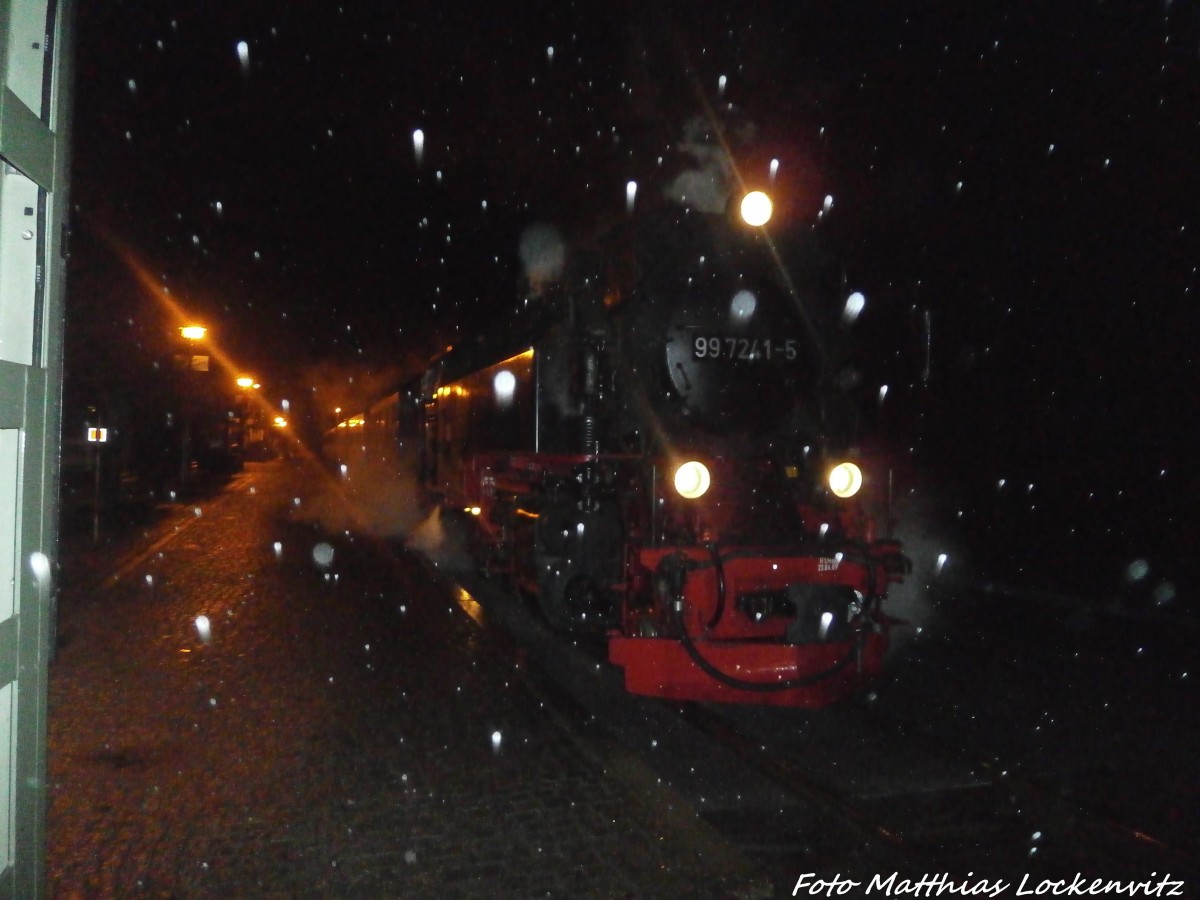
699, 620
613, 464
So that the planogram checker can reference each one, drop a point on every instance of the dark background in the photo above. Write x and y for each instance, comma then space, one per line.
1013, 190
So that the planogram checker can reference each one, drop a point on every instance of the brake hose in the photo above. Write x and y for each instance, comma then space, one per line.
759, 686
774, 686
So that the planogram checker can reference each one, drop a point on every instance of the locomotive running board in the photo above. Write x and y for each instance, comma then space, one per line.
661, 667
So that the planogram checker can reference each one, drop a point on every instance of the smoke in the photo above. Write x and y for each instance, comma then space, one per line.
543, 255
364, 495
442, 539
337, 391
935, 557
707, 184
383, 498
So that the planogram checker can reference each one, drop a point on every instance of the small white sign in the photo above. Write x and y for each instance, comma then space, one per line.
97, 435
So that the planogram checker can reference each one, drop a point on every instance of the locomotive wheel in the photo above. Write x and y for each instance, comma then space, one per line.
571, 602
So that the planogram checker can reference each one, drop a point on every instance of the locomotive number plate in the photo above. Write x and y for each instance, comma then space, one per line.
745, 348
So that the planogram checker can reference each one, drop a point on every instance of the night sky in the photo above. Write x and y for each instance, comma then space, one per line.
1012, 188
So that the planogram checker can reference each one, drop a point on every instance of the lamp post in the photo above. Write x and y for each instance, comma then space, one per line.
193, 362
252, 430
96, 438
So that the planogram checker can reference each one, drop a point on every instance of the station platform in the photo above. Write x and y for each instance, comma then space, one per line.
244, 703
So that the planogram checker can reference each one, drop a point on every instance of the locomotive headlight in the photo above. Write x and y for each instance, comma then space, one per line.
845, 479
756, 208
692, 480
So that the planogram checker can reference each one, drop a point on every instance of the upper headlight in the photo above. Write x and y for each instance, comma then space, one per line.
692, 480
756, 208
845, 479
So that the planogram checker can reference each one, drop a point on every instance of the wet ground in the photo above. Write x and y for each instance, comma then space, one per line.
1097, 702
251, 709
262, 703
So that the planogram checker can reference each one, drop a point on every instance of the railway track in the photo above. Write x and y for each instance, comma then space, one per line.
974, 816
851, 792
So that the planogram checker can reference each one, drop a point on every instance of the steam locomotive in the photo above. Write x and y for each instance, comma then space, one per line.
648, 450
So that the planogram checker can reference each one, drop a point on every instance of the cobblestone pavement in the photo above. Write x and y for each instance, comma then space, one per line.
339, 731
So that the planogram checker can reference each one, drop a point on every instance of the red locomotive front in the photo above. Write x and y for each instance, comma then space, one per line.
655, 451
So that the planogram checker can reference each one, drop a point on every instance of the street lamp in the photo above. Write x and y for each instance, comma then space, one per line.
191, 362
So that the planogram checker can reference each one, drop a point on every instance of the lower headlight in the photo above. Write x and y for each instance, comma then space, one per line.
692, 480
845, 479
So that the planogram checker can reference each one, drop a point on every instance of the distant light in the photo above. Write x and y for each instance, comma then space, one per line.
756, 209
193, 332
418, 145
280, 422
245, 381
630, 195
97, 435
774, 169
828, 204
941, 563
721, 83
883, 389
204, 628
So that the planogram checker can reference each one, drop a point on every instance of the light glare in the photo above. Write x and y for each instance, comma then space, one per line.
756, 209
845, 479
692, 480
